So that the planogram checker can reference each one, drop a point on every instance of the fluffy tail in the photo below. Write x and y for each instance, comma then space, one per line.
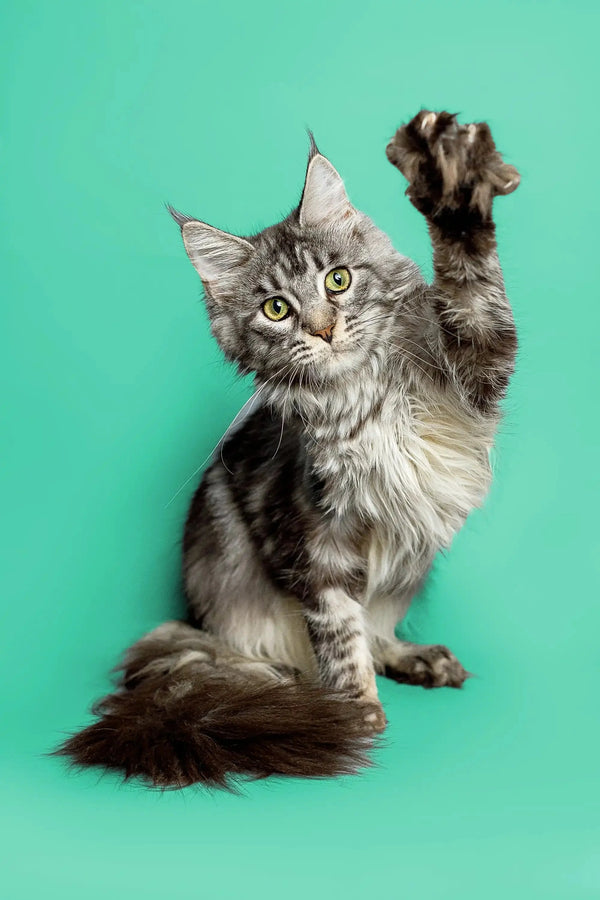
189, 710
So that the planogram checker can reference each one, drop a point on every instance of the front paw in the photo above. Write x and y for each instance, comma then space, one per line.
374, 718
454, 171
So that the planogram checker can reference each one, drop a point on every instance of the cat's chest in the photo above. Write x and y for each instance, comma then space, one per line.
413, 471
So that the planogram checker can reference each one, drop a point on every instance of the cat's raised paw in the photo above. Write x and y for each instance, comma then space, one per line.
429, 665
454, 171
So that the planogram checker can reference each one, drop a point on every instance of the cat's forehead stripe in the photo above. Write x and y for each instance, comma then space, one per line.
267, 285
295, 253
290, 266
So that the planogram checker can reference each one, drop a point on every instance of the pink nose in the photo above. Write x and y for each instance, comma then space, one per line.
325, 333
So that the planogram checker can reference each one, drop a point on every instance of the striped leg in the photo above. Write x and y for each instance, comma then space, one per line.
339, 638
454, 173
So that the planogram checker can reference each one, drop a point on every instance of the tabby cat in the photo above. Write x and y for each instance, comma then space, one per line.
361, 454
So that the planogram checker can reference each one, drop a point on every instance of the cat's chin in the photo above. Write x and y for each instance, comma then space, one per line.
336, 364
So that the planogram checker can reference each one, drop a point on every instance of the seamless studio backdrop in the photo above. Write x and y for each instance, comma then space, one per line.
115, 393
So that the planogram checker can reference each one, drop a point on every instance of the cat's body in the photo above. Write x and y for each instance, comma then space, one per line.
388, 487
366, 448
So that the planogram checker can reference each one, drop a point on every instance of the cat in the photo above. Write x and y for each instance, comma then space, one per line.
365, 447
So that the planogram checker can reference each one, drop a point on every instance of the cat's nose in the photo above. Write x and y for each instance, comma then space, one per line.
325, 333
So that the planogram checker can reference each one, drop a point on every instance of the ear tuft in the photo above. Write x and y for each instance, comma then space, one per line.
313, 150
324, 199
179, 217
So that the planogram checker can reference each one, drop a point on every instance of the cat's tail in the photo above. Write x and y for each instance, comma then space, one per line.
190, 710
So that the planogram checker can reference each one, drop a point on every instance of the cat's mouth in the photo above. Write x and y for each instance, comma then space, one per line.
332, 345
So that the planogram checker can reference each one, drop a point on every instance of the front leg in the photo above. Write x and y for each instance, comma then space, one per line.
337, 630
454, 173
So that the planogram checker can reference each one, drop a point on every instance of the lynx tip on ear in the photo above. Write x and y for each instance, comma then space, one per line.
180, 218
314, 150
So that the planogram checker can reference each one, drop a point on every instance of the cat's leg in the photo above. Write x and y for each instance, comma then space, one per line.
338, 633
430, 665
309, 629
454, 172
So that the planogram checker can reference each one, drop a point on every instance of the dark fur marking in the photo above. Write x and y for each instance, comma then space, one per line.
221, 729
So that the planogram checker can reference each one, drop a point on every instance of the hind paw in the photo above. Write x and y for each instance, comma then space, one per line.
430, 666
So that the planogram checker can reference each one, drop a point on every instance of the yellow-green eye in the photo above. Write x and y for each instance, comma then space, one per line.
276, 309
338, 280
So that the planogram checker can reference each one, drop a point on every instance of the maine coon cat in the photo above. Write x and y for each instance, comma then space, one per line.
364, 450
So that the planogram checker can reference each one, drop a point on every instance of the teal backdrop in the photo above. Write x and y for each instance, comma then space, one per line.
114, 394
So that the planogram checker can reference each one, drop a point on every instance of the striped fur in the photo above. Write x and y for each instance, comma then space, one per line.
362, 453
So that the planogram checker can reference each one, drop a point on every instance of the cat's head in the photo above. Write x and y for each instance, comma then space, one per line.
307, 299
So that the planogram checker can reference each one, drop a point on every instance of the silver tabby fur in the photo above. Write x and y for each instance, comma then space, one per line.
362, 452
382, 417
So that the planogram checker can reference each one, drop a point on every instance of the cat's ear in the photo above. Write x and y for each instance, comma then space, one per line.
214, 254
324, 198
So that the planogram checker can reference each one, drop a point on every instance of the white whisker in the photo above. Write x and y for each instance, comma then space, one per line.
222, 439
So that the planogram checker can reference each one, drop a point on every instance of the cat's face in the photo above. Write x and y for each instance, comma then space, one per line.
307, 300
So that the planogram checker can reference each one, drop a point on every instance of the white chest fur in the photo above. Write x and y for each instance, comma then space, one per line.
412, 473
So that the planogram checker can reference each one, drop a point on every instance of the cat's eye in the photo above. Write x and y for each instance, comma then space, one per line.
276, 309
338, 280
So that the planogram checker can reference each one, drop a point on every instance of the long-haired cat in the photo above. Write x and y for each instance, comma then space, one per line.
365, 449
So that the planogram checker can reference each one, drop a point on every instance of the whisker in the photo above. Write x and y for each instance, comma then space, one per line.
400, 352
431, 321
398, 348
280, 435
223, 438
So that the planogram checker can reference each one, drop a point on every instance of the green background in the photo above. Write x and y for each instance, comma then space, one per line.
115, 393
